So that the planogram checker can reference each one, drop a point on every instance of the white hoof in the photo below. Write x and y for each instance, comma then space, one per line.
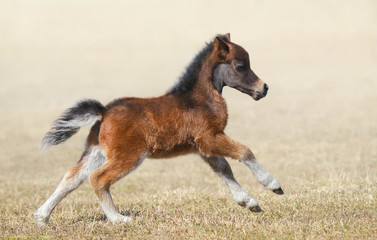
41, 220
120, 218
127, 219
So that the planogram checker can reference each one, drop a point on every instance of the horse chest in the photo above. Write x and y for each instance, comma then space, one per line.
221, 116
219, 110
214, 114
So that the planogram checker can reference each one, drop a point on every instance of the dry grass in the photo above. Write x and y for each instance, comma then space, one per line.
316, 131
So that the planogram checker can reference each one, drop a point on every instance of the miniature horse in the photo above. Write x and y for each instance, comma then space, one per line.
190, 118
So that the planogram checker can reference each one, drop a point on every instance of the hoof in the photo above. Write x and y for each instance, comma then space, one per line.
127, 219
256, 209
278, 191
40, 220
120, 219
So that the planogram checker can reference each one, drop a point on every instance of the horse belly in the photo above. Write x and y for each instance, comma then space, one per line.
177, 150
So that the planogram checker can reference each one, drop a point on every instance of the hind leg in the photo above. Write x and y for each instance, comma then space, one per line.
221, 167
71, 180
118, 165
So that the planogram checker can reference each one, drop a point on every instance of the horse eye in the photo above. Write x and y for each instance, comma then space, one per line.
240, 68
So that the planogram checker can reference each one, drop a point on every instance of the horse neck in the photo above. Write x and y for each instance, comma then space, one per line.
204, 89
204, 92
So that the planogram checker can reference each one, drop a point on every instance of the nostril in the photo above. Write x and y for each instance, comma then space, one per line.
265, 87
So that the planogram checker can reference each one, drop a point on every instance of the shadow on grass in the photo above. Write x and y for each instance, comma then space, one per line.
103, 218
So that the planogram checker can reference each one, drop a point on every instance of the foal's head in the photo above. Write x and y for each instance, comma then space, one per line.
236, 71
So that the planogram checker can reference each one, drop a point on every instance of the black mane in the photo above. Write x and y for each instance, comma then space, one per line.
190, 76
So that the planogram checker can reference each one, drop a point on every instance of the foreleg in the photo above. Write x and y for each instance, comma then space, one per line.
222, 145
221, 167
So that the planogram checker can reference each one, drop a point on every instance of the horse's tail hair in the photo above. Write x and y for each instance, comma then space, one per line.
85, 112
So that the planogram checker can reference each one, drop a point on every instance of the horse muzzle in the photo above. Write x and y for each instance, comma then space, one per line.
259, 92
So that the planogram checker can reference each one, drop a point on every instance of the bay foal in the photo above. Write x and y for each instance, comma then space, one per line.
190, 118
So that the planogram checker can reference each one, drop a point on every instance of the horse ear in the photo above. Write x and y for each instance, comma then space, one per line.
221, 46
227, 35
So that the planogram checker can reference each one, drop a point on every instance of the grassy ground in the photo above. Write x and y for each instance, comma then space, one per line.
316, 130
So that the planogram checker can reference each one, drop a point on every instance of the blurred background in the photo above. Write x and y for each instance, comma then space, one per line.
316, 130
318, 57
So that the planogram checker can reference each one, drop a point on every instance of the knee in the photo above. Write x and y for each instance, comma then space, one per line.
247, 155
92, 179
219, 165
225, 167
95, 181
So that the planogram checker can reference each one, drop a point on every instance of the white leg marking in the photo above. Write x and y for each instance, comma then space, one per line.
264, 177
90, 162
107, 204
239, 194
96, 159
111, 212
222, 168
